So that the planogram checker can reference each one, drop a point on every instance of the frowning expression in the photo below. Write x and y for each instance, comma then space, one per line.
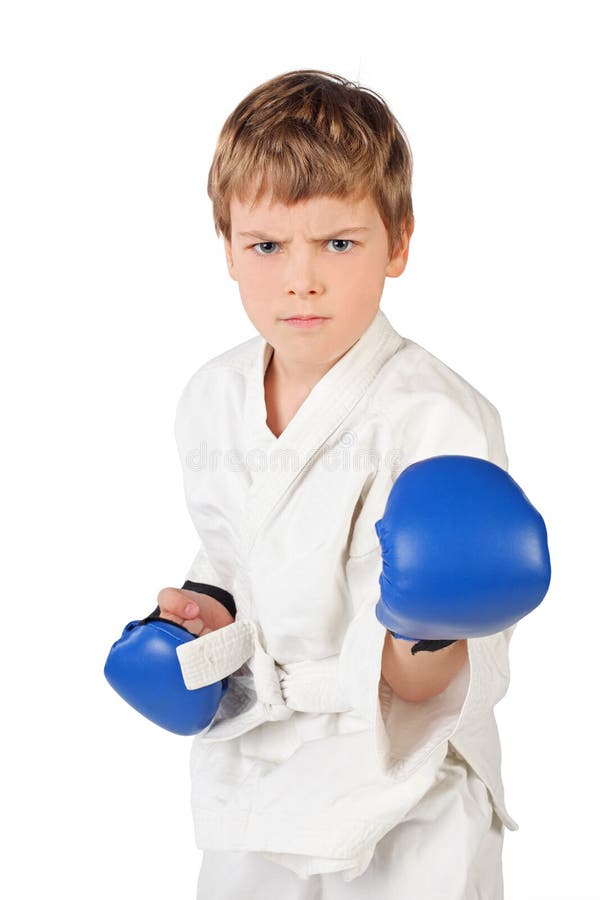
324, 257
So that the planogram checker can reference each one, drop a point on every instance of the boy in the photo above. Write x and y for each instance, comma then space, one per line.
339, 763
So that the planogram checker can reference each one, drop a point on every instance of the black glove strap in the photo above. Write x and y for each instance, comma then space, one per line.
220, 594
429, 646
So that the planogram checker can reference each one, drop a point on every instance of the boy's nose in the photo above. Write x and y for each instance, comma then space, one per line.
302, 277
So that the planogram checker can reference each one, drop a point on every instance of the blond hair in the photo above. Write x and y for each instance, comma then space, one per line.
309, 133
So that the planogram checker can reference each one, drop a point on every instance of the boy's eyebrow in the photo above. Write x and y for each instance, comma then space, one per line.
263, 236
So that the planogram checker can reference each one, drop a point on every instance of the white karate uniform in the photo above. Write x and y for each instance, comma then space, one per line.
312, 766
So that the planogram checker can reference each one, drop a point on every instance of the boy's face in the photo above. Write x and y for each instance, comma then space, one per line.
323, 257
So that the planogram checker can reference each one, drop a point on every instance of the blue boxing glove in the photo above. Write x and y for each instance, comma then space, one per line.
464, 552
143, 668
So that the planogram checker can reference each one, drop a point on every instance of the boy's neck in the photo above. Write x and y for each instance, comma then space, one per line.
296, 378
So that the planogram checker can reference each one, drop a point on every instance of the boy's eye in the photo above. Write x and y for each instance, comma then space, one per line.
268, 245
341, 241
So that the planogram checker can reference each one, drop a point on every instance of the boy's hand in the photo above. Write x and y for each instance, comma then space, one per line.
198, 613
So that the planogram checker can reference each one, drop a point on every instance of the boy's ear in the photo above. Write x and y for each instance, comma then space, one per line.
229, 259
397, 262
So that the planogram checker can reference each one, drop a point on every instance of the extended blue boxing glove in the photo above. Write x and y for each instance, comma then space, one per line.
464, 552
143, 668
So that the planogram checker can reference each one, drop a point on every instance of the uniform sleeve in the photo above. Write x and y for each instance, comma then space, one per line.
201, 569
204, 495
407, 733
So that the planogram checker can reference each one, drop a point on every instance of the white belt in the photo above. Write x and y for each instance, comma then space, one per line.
273, 693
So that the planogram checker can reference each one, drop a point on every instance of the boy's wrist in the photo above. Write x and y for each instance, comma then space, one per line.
416, 678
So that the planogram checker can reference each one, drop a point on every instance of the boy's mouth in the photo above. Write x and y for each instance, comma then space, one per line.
305, 321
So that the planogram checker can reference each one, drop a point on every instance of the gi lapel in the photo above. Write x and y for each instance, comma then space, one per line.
323, 411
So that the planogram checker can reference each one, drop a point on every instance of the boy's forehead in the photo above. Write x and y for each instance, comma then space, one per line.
348, 212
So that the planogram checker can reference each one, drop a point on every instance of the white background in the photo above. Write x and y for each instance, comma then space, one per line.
114, 290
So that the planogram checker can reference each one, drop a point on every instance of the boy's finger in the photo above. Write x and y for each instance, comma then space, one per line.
172, 600
170, 617
196, 626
